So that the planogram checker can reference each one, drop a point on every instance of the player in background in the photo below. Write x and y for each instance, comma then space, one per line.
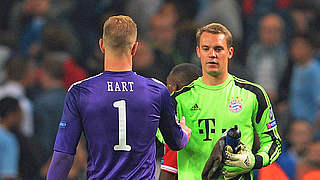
10, 118
180, 76
119, 113
218, 101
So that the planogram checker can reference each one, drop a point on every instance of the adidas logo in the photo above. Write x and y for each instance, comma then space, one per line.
195, 107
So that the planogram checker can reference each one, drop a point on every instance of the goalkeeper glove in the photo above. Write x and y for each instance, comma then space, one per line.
239, 163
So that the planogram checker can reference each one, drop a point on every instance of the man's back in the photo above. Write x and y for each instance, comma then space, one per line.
304, 93
106, 103
119, 113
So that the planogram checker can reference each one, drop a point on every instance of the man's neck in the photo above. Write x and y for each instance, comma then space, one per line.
117, 63
214, 80
4, 125
305, 62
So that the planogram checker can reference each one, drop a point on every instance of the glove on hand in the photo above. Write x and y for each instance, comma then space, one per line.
239, 163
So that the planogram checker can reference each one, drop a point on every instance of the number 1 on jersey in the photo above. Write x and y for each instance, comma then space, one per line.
121, 105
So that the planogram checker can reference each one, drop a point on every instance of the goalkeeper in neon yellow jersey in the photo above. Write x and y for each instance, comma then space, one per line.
218, 101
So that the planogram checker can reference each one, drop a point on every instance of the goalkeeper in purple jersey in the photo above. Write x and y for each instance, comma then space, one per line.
119, 113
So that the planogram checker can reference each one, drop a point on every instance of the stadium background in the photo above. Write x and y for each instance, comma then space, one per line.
46, 45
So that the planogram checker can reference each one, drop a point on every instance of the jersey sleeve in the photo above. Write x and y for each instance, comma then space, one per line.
169, 162
9, 163
170, 129
60, 166
70, 126
266, 127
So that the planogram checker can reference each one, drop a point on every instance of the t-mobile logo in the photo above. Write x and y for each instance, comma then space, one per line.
207, 128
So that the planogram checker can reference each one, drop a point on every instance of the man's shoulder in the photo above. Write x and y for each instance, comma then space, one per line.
184, 90
50, 96
155, 81
314, 66
6, 137
84, 82
248, 85
256, 90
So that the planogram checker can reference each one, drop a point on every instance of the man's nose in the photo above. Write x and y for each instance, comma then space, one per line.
213, 54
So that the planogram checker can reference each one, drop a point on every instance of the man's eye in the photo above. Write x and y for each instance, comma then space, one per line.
218, 49
205, 48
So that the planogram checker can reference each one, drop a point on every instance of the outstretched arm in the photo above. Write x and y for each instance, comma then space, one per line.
175, 135
60, 166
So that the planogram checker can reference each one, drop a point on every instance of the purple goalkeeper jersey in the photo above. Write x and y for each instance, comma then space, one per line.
119, 113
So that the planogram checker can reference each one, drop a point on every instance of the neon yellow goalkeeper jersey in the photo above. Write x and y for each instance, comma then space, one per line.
211, 110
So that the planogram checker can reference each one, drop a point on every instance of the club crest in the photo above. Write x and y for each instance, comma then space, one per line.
235, 105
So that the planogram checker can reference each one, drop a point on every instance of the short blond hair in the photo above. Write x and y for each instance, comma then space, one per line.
215, 28
119, 32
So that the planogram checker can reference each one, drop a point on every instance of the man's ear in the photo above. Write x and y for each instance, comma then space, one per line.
175, 87
231, 51
101, 45
134, 48
198, 51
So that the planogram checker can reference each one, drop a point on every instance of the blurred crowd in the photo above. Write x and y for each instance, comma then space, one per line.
47, 45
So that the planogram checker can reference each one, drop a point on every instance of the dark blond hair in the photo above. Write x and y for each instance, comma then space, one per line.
119, 33
215, 28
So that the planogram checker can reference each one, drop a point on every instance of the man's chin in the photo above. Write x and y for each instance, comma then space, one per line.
214, 73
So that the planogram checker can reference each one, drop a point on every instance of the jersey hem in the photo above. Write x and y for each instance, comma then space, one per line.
169, 169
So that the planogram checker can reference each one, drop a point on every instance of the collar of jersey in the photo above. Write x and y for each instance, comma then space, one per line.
217, 87
118, 73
